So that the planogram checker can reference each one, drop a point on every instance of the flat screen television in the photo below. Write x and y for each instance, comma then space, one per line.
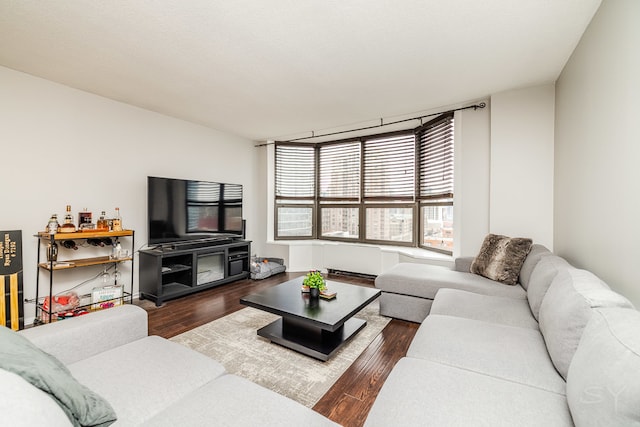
180, 210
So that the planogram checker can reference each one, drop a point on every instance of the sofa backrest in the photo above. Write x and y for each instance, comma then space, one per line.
534, 255
603, 385
542, 275
566, 309
75, 339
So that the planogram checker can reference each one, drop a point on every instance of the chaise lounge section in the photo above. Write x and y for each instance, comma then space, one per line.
408, 289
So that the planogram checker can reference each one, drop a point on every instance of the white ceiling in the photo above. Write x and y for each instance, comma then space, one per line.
282, 68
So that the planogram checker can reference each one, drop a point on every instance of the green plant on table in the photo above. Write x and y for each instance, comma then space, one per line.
314, 280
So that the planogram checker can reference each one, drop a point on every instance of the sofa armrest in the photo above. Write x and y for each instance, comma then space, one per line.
463, 264
78, 338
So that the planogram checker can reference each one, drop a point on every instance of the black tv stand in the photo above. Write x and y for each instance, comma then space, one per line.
172, 271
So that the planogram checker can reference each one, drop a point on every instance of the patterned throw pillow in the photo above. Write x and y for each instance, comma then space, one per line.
501, 258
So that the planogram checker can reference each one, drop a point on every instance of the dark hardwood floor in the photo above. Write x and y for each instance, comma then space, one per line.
349, 400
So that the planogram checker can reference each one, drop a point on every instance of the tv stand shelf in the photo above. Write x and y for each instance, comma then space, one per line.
171, 272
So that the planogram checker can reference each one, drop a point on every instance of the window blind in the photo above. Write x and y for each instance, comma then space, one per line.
436, 159
232, 192
295, 172
199, 191
339, 172
389, 168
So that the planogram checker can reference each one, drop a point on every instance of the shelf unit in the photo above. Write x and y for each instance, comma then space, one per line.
52, 267
171, 272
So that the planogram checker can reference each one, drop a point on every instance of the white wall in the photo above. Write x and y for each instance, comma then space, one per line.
472, 184
504, 184
521, 195
62, 146
471, 212
597, 205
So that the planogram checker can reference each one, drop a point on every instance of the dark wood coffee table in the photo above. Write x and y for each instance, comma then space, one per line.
315, 328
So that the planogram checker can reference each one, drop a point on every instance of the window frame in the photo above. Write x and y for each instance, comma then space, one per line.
416, 202
421, 229
296, 205
322, 206
289, 201
400, 205
433, 199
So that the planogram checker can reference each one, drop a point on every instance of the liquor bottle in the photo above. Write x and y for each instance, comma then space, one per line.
52, 225
68, 226
117, 221
102, 224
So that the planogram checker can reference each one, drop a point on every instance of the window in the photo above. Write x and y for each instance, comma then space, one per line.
339, 192
294, 221
389, 168
435, 195
437, 226
389, 183
389, 223
295, 191
340, 222
395, 188
340, 172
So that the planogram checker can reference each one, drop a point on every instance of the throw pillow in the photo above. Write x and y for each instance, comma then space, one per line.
22, 357
501, 258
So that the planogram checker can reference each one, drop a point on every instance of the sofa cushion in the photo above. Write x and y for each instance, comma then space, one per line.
535, 254
470, 305
237, 402
144, 377
501, 257
603, 386
421, 392
424, 281
541, 277
82, 405
514, 354
23, 405
567, 308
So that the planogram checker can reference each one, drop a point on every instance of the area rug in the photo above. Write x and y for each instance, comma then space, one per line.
232, 341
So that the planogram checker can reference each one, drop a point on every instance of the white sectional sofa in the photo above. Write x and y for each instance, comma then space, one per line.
146, 380
558, 349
